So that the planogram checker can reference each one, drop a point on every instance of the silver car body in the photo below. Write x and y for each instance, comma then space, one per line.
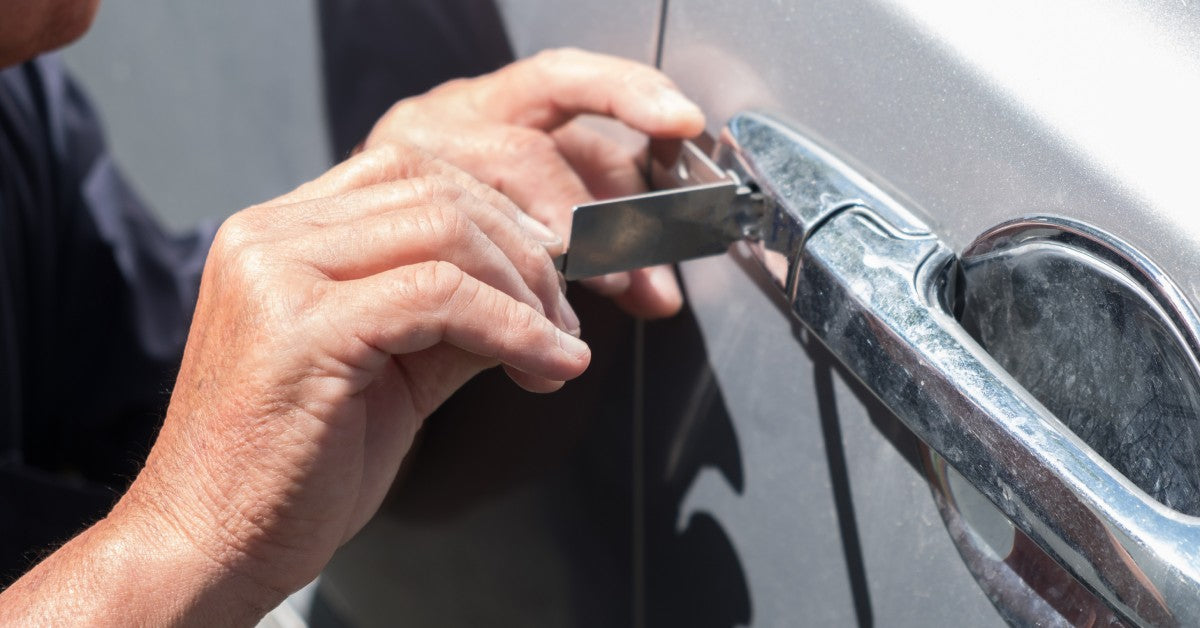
972, 116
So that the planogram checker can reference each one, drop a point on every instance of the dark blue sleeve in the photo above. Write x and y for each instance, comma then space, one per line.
95, 302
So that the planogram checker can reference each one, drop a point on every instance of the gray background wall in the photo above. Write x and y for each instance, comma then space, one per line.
210, 106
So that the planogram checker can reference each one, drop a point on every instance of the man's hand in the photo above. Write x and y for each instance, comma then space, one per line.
512, 130
332, 320
330, 323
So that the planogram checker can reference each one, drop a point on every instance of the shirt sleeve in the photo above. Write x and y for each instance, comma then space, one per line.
108, 292
95, 303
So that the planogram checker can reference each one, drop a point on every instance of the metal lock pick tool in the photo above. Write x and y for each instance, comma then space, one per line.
701, 211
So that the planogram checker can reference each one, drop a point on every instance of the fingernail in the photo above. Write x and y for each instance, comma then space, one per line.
562, 283
537, 230
674, 103
566, 313
572, 345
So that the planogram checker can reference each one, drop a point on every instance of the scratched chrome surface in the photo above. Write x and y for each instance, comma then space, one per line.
871, 292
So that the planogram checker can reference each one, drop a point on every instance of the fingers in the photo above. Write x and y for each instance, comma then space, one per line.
532, 383
400, 238
547, 187
609, 170
610, 285
542, 183
383, 163
412, 308
607, 167
429, 178
645, 293
459, 228
550, 88
652, 293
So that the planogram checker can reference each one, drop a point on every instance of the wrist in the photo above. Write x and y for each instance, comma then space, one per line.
129, 570
180, 570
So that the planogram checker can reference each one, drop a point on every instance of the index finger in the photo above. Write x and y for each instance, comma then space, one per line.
550, 88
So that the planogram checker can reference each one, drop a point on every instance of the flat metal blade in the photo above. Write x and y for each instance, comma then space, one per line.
662, 227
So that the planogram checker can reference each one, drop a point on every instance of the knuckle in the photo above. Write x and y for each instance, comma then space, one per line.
536, 265
422, 189
441, 284
382, 157
305, 304
254, 277
235, 233
447, 223
436, 188
524, 319
559, 57
523, 325
253, 260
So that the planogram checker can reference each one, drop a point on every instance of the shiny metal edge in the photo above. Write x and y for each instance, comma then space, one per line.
1025, 590
662, 227
1109, 248
1019, 603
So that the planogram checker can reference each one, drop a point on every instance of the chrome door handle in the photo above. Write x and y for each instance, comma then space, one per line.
865, 277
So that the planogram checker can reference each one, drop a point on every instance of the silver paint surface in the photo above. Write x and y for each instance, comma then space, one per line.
784, 523
628, 28
970, 128
976, 115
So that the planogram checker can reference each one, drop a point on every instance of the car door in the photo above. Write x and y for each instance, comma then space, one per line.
727, 467
772, 484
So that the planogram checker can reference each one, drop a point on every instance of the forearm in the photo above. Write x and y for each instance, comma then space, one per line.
125, 570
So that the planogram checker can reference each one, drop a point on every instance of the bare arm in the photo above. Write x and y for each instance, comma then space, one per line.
120, 572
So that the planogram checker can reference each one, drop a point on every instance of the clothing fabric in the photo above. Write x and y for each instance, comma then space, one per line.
376, 52
95, 303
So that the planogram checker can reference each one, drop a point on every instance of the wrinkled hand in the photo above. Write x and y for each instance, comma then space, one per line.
330, 323
512, 130
333, 320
